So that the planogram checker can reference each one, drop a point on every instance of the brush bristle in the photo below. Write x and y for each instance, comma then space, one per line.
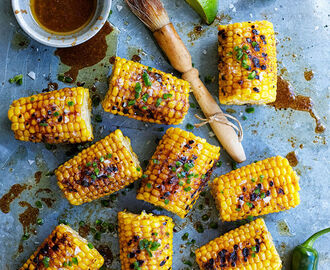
151, 12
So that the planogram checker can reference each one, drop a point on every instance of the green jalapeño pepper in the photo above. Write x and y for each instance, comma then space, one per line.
304, 256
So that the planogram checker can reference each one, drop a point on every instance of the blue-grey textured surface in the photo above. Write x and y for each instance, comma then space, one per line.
302, 31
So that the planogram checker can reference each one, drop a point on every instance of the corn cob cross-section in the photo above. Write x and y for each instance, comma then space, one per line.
247, 63
146, 94
54, 117
178, 171
264, 187
145, 241
247, 247
104, 168
64, 249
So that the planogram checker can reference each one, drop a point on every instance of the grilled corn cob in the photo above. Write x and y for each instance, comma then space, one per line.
264, 187
247, 63
53, 117
145, 241
178, 171
146, 94
104, 168
247, 247
64, 249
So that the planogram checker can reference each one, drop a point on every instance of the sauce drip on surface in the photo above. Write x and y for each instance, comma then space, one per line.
63, 16
10, 196
287, 99
29, 216
86, 54
292, 158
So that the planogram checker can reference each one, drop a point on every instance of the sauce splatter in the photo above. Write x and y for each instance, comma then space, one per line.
10, 196
136, 58
105, 251
283, 228
287, 99
292, 158
29, 216
86, 54
47, 190
51, 87
48, 201
112, 60
196, 33
37, 176
84, 230
308, 74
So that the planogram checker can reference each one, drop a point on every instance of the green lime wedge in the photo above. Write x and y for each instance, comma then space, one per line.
207, 9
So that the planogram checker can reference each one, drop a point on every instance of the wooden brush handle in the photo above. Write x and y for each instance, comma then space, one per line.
179, 57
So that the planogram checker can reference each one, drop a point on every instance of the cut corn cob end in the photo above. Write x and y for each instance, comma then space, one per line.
146, 94
62, 249
54, 117
264, 187
146, 241
247, 247
247, 63
102, 169
178, 171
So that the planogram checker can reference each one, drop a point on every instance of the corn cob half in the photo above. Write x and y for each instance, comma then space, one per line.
53, 117
146, 94
145, 241
247, 247
178, 171
247, 63
104, 168
264, 187
64, 249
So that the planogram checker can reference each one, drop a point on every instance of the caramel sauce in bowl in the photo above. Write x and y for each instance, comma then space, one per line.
61, 23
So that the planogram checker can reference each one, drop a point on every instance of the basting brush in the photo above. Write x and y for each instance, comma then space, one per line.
153, 14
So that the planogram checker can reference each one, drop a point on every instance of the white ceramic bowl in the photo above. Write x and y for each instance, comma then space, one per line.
25, 19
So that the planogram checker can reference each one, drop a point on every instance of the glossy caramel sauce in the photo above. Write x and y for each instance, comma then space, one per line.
63, 16
287, 99
86, 54
292, 158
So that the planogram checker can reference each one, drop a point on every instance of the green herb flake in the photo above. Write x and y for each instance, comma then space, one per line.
101, 159
199, 228
43, 124
219, 163
70, 103
249, 110
185, 236
40, 221
178, 163
262, 195
154, 246
149, 185
250, 218
238, 209
144, 176
252, 75
155, 161
56, 113
25, 236
97, 236
188, 263
38, 204
98, 222
131, 102
45, 261
249, 204
261, 178
254, 44
187, 189
145, 97
18, 79
158, 101
166, 201
253, 180
63, 221
192, 105
98, 118
253, 248
108, 156
189, 126
244, 117
245, 47
90, 245
234, 165
205, 217
181, 183
213, 225
94, 164
75, 260
166, 96
146, 79
253, 255
188, 181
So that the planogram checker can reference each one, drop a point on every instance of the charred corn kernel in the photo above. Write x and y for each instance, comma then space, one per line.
146, 94
247, 63
247, 247
102, 169
62, 248
45, 116
264, 187
145, 241
178, 171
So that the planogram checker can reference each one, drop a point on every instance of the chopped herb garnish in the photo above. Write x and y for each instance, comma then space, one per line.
189, 126
185, 236
244, 117
200, 228
149, 185
181, 183
173, 169
70, 103
262, 195
90, 245
26, 236
32, 99
254, 44
38, 204
188, 166
108, 156
238, 209
203, 176
131, 102
98, 118
101, 159
145, 97
249, 204
234, 165
253, 180
158, 101
75, 260
82, 223
93, 176
97, 170
236, 48
166, 201
17, 79
146, 79
138, 169
205, 217
188, 263
250, 218
253, 248
145, 108
166, 96
261, 178
94, 164
138, 89
98, 222
40, 221
249, 109
253, 255
178, 163
188, 181
136, 266
187, 189
252, 75
63, 221
56, 113
144, 176
219, 163
213, 225
155, 161
245, 47
97, 236
43, 124
154, 246
45, 261
257, 191
192, 105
